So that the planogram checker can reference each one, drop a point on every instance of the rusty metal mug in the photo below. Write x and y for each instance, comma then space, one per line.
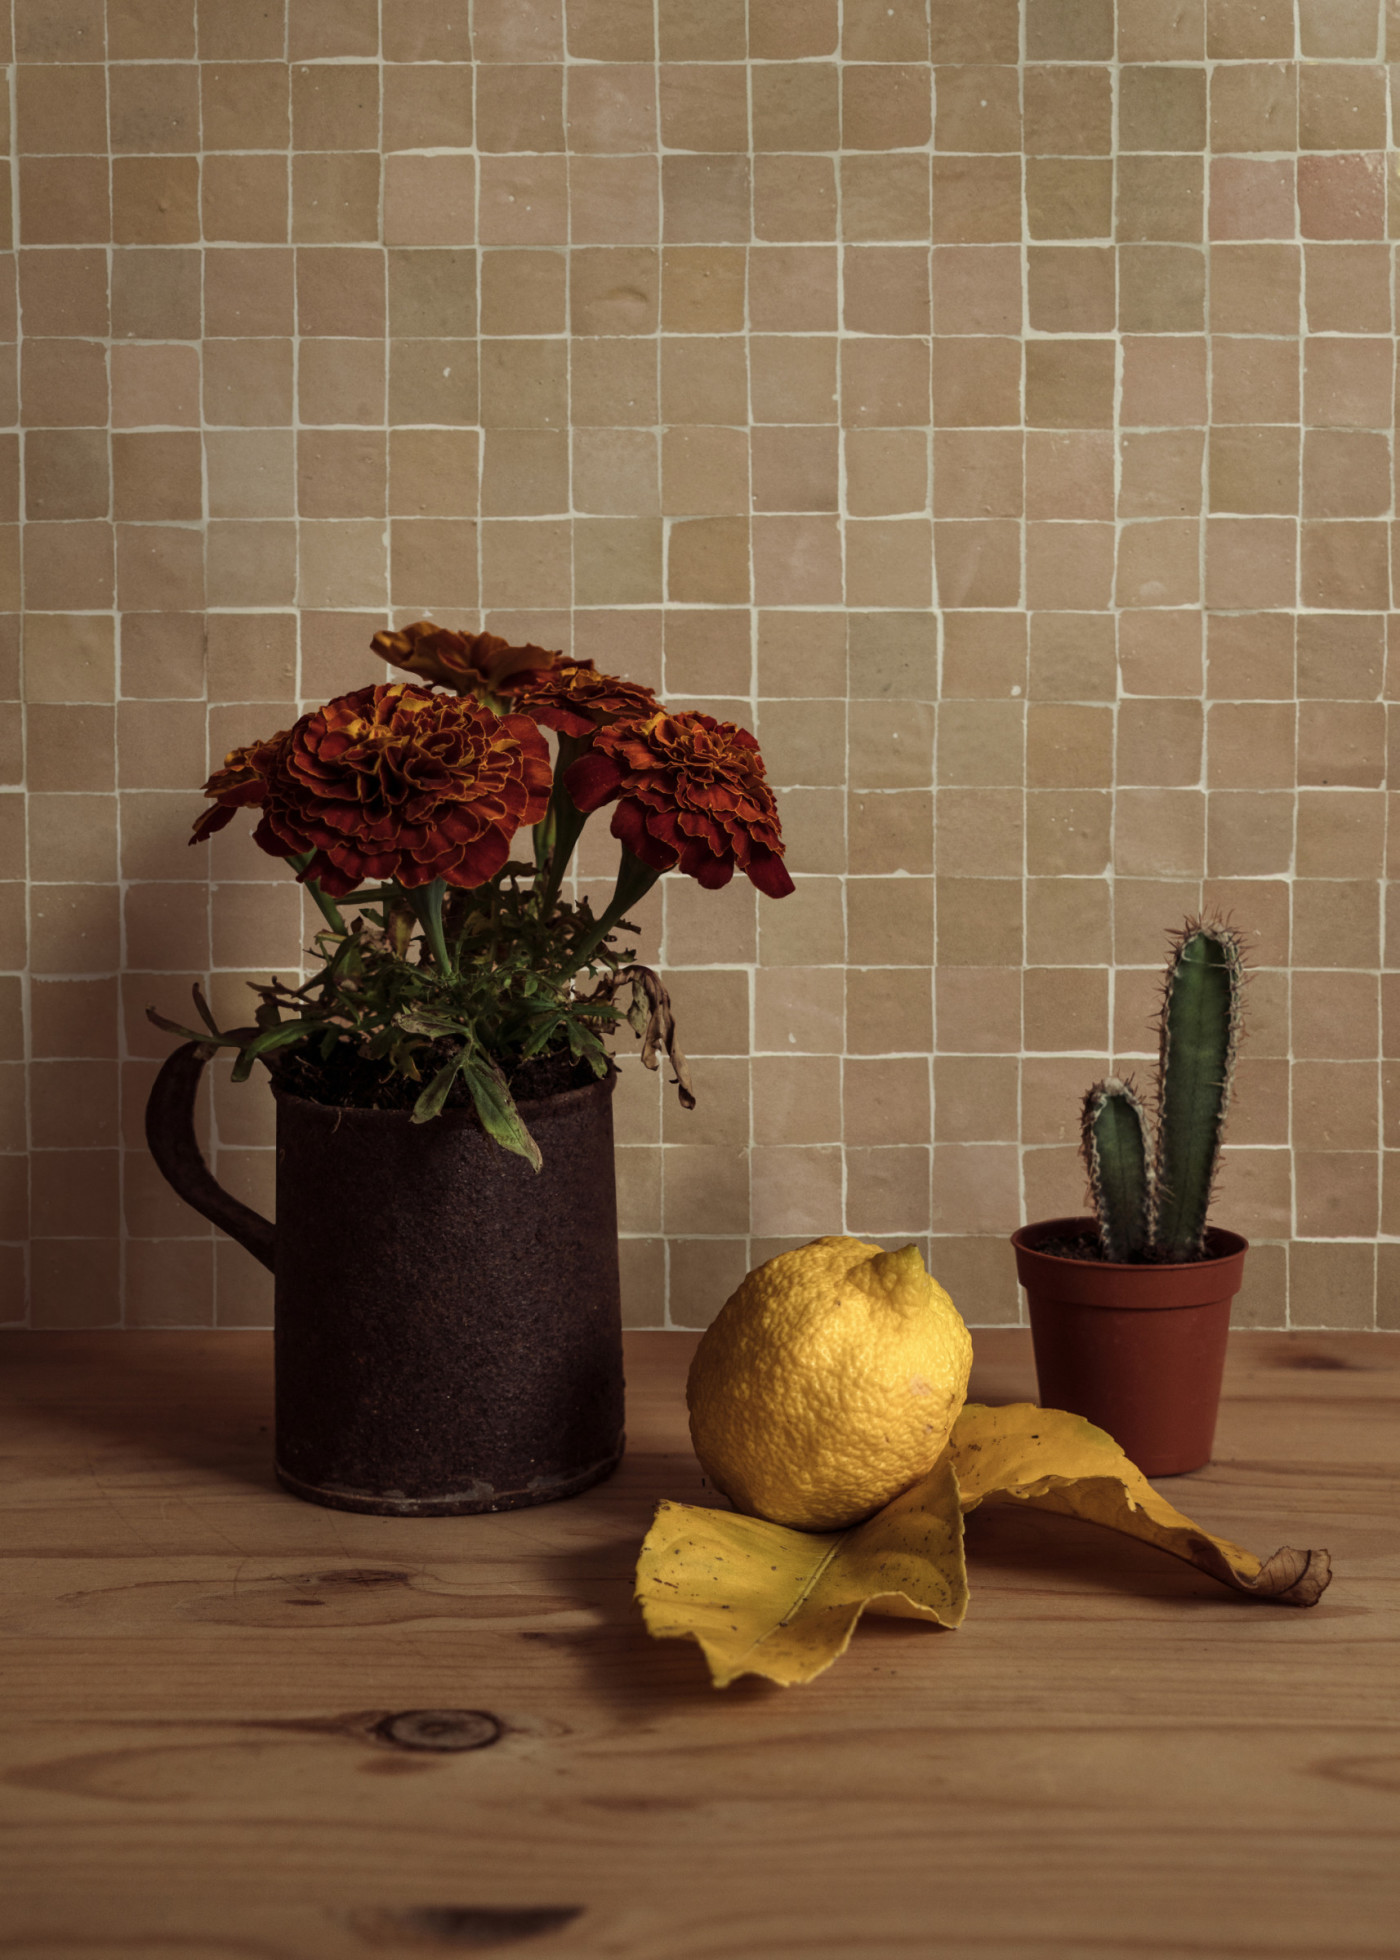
448, 1326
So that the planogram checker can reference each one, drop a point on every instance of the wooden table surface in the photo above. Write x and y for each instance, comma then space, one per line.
1114, 1756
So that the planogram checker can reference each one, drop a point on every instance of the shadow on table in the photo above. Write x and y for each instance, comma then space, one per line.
1015, 1550
203, 1403
1029, 1566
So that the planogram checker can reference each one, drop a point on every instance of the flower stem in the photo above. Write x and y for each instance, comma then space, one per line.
634, 881
563, 824
427, 906
543, 839
329, 909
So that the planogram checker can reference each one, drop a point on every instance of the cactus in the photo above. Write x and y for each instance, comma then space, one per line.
1152, 1205
1120, 1169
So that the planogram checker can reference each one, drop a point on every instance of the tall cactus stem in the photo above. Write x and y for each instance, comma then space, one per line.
1120, 1170
1200, 1031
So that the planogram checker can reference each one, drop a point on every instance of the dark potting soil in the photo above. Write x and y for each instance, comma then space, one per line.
1087, 1246
347, 1081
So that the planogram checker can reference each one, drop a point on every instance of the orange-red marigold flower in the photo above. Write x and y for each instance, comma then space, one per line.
470, 663
574, 698
390, 782
691, 795
241, 784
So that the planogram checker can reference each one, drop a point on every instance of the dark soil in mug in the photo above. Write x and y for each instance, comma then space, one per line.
346, 1080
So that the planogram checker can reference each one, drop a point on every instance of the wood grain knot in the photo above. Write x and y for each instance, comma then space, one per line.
470, 1929
439, 1728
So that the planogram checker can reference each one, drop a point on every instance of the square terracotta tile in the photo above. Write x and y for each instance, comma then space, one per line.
61, 108
705, 199
154, 109
1068, 197
1252, 198
1255, 381
887, 197
1348, 383
428, 200
1255, 289
976, 382
1254, 470
1160, 473
682, 33
248, 293
1069, 384
976, 289
1334, 29
426, 106
886, 471
702, 289
1069, 473
1342, 196
978, 109
1159, 197
1072, 657
65, 201
1071, 289
885, 106
1068, 111
150, 30
439, 30
1239, 30
1254, 106
1348, 288
64, 292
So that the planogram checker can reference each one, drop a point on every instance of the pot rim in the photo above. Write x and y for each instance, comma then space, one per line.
453, 1118
1230, 1245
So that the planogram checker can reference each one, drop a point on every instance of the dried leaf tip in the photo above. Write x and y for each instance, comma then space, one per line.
652, 1020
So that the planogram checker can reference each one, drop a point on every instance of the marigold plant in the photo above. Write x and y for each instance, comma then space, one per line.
446, 962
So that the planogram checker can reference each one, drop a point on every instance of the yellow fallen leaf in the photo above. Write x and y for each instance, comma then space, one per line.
763, 1599
1058, 1462
760, 1598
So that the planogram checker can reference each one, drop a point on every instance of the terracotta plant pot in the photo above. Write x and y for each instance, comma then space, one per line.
448, 1327
1139, 1350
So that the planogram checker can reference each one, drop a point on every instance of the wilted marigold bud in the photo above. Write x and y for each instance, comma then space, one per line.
469, 663
574, 698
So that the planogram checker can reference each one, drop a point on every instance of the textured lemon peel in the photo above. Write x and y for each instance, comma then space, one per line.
828, 1383
760, 1598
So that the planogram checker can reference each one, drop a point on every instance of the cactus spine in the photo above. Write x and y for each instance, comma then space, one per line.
1120, 1169
1152, 1203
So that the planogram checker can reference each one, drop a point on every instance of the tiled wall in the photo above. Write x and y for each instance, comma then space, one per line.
991, 405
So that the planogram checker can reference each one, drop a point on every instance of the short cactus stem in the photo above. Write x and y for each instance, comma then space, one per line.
1119, 1166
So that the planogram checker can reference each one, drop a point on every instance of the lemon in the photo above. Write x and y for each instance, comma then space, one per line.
828, 1383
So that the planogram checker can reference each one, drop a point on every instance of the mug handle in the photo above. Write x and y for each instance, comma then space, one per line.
173, 1144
